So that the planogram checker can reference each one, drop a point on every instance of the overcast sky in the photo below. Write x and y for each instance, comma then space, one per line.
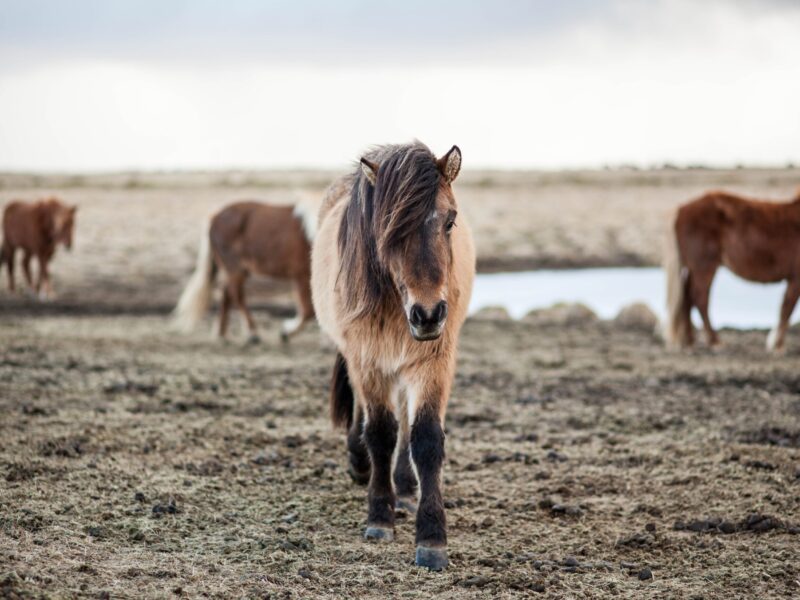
115, 84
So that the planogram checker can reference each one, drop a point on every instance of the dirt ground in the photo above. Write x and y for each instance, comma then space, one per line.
583, 459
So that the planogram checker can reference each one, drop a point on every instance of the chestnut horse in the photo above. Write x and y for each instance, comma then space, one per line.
36, 228
392, 271
759, 241
247, 238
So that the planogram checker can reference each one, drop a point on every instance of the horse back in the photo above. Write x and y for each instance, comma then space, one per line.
758, 240
25, 225
261, 238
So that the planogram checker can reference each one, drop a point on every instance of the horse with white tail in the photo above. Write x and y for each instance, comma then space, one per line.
251, 238
392, 271
757, 240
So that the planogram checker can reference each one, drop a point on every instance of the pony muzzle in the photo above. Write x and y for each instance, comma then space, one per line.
427, 323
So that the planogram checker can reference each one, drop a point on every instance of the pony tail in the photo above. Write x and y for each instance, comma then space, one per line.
342, 399
679, 318
196, 296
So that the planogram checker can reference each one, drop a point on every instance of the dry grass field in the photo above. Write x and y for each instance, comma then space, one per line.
583, 459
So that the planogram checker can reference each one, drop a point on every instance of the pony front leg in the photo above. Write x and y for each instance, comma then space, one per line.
427, 453
380, 438
777, 336
405, 480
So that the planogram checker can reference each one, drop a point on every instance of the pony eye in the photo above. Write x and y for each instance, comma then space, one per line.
449, 226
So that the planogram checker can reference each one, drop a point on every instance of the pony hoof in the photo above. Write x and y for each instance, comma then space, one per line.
253, 339
379, 534
357, 476
434, 559
408, 504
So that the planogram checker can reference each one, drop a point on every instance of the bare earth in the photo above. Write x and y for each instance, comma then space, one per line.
583, 459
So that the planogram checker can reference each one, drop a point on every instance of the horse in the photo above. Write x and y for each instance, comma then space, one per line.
391, 276
36, 228
757, 240
251, 238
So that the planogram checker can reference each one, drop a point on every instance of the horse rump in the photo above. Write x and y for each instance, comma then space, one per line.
342, 398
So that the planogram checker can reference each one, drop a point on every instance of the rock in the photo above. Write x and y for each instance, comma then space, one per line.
651, 527
636, 316
476, 581
555, 456
645, 574
562, 314
492, 313
727, 527
571, 561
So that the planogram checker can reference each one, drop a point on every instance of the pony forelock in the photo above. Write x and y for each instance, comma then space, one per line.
379, 218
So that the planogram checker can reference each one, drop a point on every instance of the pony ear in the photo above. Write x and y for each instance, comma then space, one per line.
450, 164
370, 170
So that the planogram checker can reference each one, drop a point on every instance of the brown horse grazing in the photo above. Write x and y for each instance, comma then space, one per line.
36, 228
392, 271
247, 238
759, 241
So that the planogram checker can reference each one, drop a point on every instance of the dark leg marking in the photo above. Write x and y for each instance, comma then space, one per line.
427, 451
380, 435
357, 450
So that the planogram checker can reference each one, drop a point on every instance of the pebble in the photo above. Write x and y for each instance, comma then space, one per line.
571, 561
645, 574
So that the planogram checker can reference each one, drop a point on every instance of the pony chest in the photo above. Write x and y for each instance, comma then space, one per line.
387, 350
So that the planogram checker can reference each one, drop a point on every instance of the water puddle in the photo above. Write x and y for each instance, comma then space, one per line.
734, 302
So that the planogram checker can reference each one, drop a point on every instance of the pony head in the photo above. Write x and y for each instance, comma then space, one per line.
62, 218
406, 211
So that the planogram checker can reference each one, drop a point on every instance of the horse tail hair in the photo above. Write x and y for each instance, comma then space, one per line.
678, 318
308, 219
342, 398
196, 296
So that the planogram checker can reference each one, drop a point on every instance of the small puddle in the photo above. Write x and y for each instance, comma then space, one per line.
734, 302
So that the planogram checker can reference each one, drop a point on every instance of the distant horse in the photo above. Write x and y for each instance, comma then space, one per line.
247, 238
36, 228
759, 241
392, 271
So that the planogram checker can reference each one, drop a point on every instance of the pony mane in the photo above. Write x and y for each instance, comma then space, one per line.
379, 219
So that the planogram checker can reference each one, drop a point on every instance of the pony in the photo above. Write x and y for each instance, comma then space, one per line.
36, 228
247, 238
757, 240
391, 276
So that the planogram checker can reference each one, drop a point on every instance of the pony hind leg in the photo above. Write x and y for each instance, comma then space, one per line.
405, 479
239, 300
305, 309
777, 336
8, 255
26, 269
224, 312
700, 290
358, 457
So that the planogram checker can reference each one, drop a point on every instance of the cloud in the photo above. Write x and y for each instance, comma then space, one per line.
622, 82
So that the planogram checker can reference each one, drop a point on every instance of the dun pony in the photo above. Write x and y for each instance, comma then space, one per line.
757, 240
36, 228
250, 238
392, 271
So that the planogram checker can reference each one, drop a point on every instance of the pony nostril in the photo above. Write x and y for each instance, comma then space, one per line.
417, 315
440, 312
